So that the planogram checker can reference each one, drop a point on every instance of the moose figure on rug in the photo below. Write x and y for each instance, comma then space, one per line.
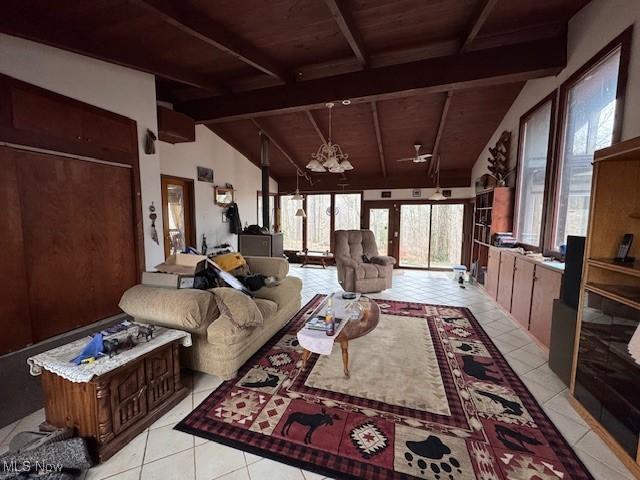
310, 420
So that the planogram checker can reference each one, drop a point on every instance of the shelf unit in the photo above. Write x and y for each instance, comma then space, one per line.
605, 378
493, 213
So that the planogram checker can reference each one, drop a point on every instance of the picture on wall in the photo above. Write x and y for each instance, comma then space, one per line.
205, 174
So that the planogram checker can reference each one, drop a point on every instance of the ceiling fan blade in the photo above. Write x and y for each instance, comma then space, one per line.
425, 155
408, 159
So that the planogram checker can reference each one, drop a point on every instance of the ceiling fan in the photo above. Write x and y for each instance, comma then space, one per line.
417, 158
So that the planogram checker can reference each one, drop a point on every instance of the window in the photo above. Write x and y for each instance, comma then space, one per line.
347, 211
588, 125
535, 139
291, 226
319, 222
272, 210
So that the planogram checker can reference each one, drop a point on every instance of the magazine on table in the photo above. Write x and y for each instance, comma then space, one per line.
318, 323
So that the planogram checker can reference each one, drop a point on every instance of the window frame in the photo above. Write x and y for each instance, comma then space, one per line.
332, 217
275, 197
622, 42
551, 98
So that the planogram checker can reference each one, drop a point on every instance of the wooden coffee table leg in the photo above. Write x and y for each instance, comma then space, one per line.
305, 356
344, 345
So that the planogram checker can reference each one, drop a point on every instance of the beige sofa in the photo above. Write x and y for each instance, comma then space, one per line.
354, 274
219, 346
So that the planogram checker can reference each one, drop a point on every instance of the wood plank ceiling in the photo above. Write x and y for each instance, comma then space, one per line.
438, 72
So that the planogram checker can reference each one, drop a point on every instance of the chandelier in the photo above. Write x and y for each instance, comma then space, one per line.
329, 156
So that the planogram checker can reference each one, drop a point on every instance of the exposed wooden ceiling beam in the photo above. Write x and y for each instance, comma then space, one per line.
481, 16
207, 30
328, 182
32, 28
285, 151
436, 144
376, 127
476, 25
343, 18
508, 64
316, 127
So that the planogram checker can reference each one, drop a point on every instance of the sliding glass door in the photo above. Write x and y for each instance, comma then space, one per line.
431, 235
446, 235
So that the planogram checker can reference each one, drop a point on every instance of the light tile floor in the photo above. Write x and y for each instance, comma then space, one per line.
163, 453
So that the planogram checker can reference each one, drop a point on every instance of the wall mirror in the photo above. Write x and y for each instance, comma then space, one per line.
223, 196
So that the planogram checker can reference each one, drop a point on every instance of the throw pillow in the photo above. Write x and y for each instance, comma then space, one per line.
230, 261
241, 309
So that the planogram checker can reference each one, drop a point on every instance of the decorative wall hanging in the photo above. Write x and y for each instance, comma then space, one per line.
223, 196
205, 174
150, 142
499, 160
153, 216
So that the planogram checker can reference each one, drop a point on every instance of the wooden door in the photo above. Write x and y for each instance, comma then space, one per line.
493, 268
522, 291
546, 288
128, 397
160, 377
178, 213
15, 319
79, 240
505, 283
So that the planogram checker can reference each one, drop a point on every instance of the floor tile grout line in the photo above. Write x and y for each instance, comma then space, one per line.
611, 467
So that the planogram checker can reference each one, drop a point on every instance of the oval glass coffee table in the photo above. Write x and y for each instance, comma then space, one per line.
365, 322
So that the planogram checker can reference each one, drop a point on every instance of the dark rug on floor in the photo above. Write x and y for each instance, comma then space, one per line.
429, 396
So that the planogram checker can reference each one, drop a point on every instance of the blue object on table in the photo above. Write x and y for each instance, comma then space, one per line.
92, 349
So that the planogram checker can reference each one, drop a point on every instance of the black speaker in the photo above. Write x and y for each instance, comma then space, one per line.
573, 271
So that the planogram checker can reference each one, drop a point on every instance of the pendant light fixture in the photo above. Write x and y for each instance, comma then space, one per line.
437, 196
296, 195
329, 156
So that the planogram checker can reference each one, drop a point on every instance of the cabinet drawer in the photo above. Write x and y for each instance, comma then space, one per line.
128, 397
159, 377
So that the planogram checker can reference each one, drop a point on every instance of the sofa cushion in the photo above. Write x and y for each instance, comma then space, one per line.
269, 266
240, 308
288, 291
184, 309
224, 332
266, 307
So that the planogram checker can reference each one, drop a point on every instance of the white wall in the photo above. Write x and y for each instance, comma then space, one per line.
229, 166
132, 94
406, 193
114, 88
590, 30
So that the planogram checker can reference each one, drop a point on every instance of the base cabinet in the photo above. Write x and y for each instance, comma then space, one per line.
546, 288
522, 292
505, 280
525, 288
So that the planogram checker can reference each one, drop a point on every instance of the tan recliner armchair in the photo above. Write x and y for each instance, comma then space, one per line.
355, 274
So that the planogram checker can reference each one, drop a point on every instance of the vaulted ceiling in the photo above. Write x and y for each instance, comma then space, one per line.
437, 72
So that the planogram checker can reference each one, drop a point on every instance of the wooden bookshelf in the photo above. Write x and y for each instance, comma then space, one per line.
605, 378
493, 213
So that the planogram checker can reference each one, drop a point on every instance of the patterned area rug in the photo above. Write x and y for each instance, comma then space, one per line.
429, 397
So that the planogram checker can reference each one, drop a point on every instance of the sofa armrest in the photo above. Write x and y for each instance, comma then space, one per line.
383, 260
269, 266
282, 294
186, 309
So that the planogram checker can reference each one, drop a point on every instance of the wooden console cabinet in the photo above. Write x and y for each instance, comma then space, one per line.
525, 288
112, 409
